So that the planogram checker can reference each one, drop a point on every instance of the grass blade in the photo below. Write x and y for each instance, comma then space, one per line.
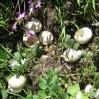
78, 1
93, 4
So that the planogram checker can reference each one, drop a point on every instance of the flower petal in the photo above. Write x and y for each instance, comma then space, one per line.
31, 33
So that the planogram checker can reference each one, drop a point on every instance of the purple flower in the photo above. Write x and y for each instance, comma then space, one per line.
32, 8
21, 15
31, 33
30, 2
38, 5
14, 27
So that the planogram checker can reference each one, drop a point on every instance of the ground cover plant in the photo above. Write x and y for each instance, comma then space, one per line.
49, 49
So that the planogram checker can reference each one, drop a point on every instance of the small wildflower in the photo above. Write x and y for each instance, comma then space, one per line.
13, 63
38, 5
88, 88
31, 6
23, 61
31, 9
14, 27
31, 33
30, 2
21, 15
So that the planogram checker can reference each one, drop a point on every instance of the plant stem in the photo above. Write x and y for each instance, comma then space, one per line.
9, 70
7, 51
16, 94
24, 6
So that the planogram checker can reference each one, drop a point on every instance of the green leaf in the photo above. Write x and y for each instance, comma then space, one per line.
73, 90
63, 32
49, 73
36, 97
3, 5
56, 70
42, 85
42, 93
67, 37
93, 4
17, 56
29, 97
54, 79
49, 80
70, 43
85, 97
92, 94
71, 97
78, 1
52, 93
40, 79
34, 51
2, 23
4, 94
55, 87
64, 95
76, 46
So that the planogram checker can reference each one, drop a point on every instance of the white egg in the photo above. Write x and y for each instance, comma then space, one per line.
29, 25
83, 35
71, 55
15, 90
30, 40
46, 37
16, 83
34, 25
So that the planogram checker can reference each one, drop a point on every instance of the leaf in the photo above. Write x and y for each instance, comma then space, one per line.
76, 46
49, 73
70, 43
56, 70
85, 97
64, 95
42, 93
43, 85
72, 97
36, 97
55, 87
93, 4
73, 90
2, 23
3, 5
42, 80
17, 56
62, 33
78, 1
49, 80
34, 51
29, 97
54, 79
92, 94
4, 94
67, 38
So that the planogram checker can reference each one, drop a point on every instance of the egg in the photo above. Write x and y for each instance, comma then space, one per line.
71, 55
15, 84
83, 35
34, 25
30, 40
46, 37
15, 90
